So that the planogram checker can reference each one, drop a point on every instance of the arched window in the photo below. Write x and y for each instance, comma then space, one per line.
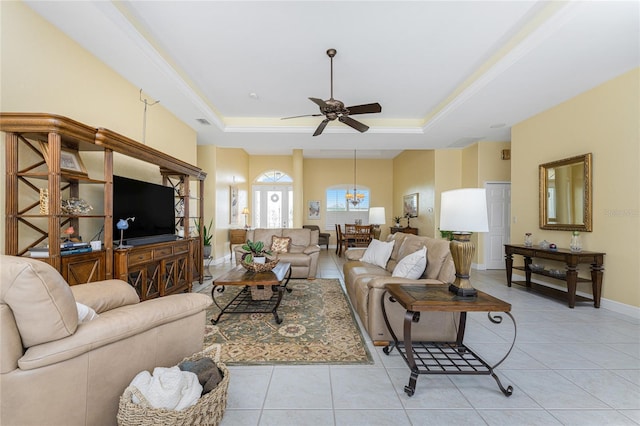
274, 176
339, 211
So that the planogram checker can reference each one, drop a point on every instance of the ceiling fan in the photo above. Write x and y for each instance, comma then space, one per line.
333, 108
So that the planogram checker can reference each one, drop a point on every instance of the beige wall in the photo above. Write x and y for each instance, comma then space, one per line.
377, 175
414, 171
603, 121
42, 70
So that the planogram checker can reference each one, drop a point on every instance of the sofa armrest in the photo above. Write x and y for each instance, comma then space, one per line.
381, 282
106, 295
311, 249
115, 325
354, 253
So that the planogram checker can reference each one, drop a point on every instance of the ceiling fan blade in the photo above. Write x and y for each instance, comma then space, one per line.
321, 127
319, 102
298, 116
365, 109
353, 123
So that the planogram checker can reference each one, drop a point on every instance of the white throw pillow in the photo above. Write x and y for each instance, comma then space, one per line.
85, 313
412, 266
378, 253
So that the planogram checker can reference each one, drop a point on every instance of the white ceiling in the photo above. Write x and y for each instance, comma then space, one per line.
447, 73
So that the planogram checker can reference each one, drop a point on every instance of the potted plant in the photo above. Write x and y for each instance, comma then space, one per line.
397, 220
255, 252
207, 235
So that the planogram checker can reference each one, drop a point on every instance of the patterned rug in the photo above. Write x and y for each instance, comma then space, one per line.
318, 327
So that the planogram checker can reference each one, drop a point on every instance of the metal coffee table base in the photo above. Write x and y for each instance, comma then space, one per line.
242, 303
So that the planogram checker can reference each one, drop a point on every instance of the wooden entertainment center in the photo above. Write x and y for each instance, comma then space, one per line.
37, 146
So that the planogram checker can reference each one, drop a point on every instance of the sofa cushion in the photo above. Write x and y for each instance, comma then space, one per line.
280, 244
30, 286
378, 253
105, 295
412, 266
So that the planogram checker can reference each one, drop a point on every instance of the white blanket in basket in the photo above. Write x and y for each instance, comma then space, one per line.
168, 388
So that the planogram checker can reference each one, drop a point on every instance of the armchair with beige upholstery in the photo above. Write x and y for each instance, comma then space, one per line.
56, 370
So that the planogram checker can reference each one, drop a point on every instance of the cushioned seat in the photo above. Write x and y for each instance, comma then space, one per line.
57, 370
365, 283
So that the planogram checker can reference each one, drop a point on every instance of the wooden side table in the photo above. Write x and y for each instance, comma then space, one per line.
236, 236
442, 357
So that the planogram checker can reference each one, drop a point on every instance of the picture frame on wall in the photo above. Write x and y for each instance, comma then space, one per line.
314, 210
233, 205
410, 205
70, 161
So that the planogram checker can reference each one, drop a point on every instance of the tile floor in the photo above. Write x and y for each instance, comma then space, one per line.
569, 367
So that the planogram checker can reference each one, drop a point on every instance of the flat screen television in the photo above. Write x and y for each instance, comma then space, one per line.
152, 206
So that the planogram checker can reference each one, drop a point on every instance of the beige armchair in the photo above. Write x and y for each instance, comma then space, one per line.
57, 371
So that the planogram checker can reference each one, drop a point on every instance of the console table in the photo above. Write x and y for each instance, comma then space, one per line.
406, 230
570, 258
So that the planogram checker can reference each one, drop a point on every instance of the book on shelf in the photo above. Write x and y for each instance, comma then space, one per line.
76, 250
41, 252
71, 244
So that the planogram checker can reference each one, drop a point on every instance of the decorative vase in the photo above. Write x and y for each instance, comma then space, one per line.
575, 244
206, 251
527, 240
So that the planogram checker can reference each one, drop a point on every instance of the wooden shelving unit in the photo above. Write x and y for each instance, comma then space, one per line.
34, 147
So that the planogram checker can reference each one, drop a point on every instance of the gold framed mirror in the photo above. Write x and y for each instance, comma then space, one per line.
565, 194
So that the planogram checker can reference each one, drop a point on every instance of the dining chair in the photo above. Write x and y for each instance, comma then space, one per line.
362, 236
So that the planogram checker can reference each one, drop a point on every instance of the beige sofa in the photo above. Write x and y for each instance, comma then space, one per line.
57, 371
366, 282
303, 251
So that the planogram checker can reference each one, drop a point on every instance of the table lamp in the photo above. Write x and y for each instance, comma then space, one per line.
463, 211
122, 225
376, 218
245, 212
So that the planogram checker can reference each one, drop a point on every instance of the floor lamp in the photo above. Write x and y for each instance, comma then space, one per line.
463, 211
376, 218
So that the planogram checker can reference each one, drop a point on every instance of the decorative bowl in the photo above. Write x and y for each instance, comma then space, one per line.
75, 206
536, 267
260, 267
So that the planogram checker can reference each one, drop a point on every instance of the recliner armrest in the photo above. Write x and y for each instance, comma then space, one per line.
311, 249
105, 295
115, 325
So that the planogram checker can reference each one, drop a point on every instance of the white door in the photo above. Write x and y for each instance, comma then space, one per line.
272, 206
499, 212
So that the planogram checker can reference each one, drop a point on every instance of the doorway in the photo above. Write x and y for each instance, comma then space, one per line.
272, 206
499, 214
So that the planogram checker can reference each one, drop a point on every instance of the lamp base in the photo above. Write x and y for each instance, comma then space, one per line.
463, 291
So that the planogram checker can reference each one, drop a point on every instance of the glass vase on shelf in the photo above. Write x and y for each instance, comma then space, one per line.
575, 244
528, 242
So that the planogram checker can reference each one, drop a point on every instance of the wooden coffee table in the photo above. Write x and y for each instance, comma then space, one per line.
442, 357
243, 303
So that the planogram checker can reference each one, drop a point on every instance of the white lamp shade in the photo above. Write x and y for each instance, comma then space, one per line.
376, 216
464, 210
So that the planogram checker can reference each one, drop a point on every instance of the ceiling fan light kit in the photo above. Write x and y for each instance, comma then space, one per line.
333, 109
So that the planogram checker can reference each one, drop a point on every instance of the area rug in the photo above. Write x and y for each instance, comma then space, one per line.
318, 327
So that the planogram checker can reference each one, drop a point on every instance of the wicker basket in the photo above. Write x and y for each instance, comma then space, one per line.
260, 267
207, 411
264, 293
